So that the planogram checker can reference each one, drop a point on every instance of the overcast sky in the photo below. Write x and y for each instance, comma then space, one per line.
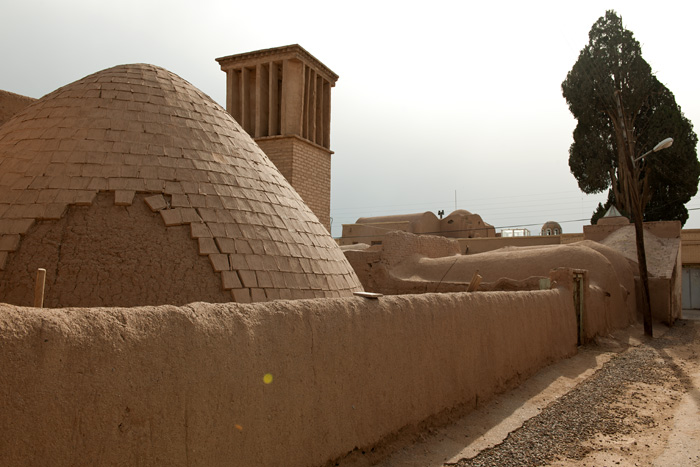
439, 104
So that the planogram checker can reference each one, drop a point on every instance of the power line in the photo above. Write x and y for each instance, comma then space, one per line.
471, 200
508, 209
488, 201
504, 226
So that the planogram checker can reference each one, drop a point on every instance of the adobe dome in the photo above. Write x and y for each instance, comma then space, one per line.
132, 187
459, 212
551, 228
464, 224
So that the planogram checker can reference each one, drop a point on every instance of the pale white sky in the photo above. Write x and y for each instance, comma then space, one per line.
433, 98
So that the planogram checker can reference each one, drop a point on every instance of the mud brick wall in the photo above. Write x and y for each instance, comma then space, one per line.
294, 383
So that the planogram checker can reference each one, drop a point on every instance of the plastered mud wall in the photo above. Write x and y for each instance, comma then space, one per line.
403, 266
107, 255
402, 245
690, 249
187, 385
661, 229
662, 242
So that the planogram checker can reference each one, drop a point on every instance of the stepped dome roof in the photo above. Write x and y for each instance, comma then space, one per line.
132, 187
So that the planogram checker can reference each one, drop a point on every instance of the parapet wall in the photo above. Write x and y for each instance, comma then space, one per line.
470, 246
186, 385
661, 229
402, 245
690, 246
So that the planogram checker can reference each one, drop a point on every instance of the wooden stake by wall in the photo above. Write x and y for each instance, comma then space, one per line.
475, 282
39, 288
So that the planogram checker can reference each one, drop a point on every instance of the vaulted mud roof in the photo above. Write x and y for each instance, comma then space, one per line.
131, 186
11, 103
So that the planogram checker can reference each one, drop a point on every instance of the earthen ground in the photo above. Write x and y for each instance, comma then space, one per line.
662, 428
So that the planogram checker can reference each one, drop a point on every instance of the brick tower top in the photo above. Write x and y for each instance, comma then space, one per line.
283, 91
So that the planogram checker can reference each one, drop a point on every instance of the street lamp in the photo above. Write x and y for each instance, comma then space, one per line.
637, 208
631, 190
661, 145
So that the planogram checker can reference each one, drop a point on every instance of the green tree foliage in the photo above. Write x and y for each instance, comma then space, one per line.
612, 64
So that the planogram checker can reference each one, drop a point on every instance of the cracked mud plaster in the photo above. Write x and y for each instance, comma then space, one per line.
107, 255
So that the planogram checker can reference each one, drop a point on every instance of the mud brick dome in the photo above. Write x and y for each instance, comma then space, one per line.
132, 187
551, 228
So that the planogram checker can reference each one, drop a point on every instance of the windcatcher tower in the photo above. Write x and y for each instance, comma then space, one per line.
282, 98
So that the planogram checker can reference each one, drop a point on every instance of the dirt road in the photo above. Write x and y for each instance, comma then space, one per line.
624, 401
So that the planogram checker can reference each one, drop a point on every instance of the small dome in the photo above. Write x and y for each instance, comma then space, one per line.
132, 187
551, 228
459, 212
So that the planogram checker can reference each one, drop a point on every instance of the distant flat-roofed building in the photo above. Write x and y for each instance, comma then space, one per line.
458, 224
515, 232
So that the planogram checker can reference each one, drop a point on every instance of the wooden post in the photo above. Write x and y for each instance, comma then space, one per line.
39, 288
475, 282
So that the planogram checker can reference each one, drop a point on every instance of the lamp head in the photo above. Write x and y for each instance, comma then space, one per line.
663, 144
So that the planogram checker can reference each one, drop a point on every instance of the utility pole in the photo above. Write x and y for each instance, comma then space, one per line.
630, 187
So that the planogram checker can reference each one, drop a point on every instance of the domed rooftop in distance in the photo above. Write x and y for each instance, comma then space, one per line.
132, 187
551, 228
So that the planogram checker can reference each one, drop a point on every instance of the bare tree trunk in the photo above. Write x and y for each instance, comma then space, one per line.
643, 272
634, 194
